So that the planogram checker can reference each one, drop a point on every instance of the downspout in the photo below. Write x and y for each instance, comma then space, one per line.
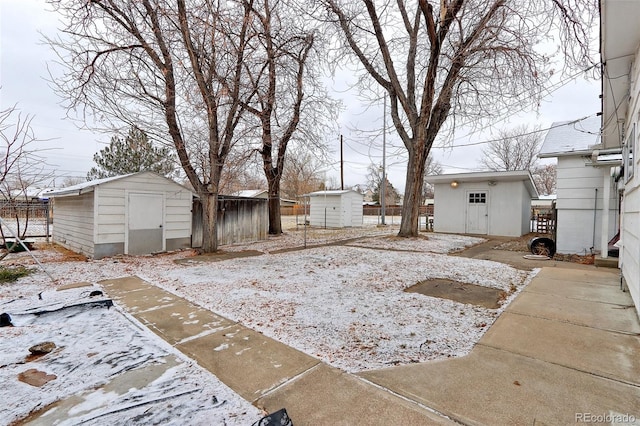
595, 211
606, 200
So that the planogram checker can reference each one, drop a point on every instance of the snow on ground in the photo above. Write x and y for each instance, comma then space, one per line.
343, 304
95, 346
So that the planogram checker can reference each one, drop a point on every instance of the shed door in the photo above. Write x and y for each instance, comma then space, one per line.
477, 212
346, 211
145, 223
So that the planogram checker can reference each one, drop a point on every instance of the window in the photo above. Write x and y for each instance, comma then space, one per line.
477, 198
627, 155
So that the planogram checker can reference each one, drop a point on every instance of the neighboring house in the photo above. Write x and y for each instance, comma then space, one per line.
368, 196
335, 209
582, 173
138, 213
620, 57
486, 203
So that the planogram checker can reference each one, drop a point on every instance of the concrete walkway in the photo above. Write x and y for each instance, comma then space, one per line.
567, 348
265, 372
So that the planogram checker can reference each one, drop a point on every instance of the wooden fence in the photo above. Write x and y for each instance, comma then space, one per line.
239, 220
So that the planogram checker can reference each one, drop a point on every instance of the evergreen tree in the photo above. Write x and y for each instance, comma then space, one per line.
135, 153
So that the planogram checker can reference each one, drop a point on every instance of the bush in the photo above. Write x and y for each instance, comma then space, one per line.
13, 273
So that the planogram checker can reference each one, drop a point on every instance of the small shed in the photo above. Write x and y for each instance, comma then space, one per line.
486, 203
335, 209
138, 213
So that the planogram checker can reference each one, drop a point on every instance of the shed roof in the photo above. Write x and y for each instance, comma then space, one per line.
510, 176
332, 192
250, 193
571, 137
89, 186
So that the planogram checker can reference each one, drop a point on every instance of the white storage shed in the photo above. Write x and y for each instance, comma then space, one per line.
486, 203
139, 213
335, 209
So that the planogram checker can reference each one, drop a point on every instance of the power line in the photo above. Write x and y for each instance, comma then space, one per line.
523, 134
551, 90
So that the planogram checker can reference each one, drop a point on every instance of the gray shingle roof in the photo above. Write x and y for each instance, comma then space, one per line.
570, 136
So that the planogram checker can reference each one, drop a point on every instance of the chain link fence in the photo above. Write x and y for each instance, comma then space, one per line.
26, 219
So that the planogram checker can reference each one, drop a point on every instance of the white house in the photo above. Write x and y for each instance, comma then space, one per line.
138, 213
582, 173
620, 57
488, 203
335, 209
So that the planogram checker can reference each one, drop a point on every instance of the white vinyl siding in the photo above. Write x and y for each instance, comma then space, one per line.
508, 207
110, 220
630, 227
579, 205
336, 209
98, 217
111, 206
178, 214
630, 255
73, 223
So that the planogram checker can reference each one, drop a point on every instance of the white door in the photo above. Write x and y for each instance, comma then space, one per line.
477, 212
145, 223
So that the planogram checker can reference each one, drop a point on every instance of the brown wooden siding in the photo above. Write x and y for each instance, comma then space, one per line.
239, 220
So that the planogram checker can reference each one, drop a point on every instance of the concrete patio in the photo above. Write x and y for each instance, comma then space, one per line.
564, 351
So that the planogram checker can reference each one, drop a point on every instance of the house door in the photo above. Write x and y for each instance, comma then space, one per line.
145, 221
477, 212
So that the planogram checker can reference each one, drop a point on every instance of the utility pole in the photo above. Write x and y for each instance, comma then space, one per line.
341, 166
383, 198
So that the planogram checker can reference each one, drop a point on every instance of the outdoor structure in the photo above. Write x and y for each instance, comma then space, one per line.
240, 220
620, 58
138, 213
487, 203
582, 173
335, 209
264, 194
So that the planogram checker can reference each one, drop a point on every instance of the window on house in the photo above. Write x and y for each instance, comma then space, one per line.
627, 154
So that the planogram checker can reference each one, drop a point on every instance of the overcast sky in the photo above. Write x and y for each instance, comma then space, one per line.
23, 75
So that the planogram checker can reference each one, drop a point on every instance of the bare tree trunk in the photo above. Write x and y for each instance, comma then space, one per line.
413, 192
209, 218
275, 215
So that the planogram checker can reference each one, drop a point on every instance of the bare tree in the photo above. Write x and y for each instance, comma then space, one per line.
23, 167
173, 69
545, 179
71, 180
513, 149
241, 172
300, 175
286, 89
442, 60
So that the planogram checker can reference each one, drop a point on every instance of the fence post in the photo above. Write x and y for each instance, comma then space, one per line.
46, 221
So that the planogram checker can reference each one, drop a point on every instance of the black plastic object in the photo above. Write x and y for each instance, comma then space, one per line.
5, 320
278, 418
542, 246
